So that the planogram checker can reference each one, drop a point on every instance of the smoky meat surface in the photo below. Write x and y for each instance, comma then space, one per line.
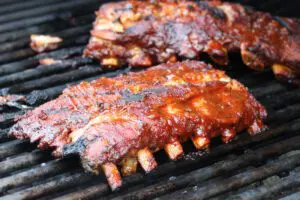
123, 120
143, 33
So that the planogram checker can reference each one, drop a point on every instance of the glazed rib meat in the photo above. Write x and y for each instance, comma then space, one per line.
123, 120
142, 33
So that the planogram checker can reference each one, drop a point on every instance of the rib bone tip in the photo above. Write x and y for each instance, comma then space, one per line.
174, 150
200, 142
129, 166
228, 135
113, 175
146, 159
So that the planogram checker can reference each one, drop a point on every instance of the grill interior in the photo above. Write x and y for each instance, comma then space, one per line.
261, 167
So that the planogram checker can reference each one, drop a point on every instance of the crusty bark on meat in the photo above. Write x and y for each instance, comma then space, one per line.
142, 33
123, 120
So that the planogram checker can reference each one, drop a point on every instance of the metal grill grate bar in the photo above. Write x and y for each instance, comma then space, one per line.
50, 187
22, 161
42, 70
14, 147
56, 7
25, 5
238, 180
44, 170
267, 192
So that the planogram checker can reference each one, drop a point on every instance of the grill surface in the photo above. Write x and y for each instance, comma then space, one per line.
260, 167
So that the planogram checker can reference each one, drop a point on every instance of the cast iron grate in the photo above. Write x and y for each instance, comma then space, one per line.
261, 167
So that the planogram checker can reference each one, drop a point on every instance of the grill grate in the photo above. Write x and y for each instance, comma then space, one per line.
259, 167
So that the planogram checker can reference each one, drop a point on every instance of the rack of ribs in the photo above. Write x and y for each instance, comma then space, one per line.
143, 33
123, 120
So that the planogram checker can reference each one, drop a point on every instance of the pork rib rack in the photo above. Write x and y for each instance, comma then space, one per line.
123, 120
142, 33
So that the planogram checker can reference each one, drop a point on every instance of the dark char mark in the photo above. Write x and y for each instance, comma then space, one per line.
216, 12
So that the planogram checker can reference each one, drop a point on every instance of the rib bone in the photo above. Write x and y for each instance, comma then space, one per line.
174, 149
146, 159
112, 174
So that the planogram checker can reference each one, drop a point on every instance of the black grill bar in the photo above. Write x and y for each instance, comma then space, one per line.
37, 97
25, 5
7, 119
14, 147
25, 32
6, 47
56, 7
266, 192
31, 63
62, 53
22, 161
251, 79
293, 196
72, 75
237, 181
42, 70
268, 89
194, 177
285, 114
56, 24
16, 55
3, 135
271, 98
8, 2
283, 99
17, 66
44, 170
88, 193
65, 182
82, 39
27, 22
